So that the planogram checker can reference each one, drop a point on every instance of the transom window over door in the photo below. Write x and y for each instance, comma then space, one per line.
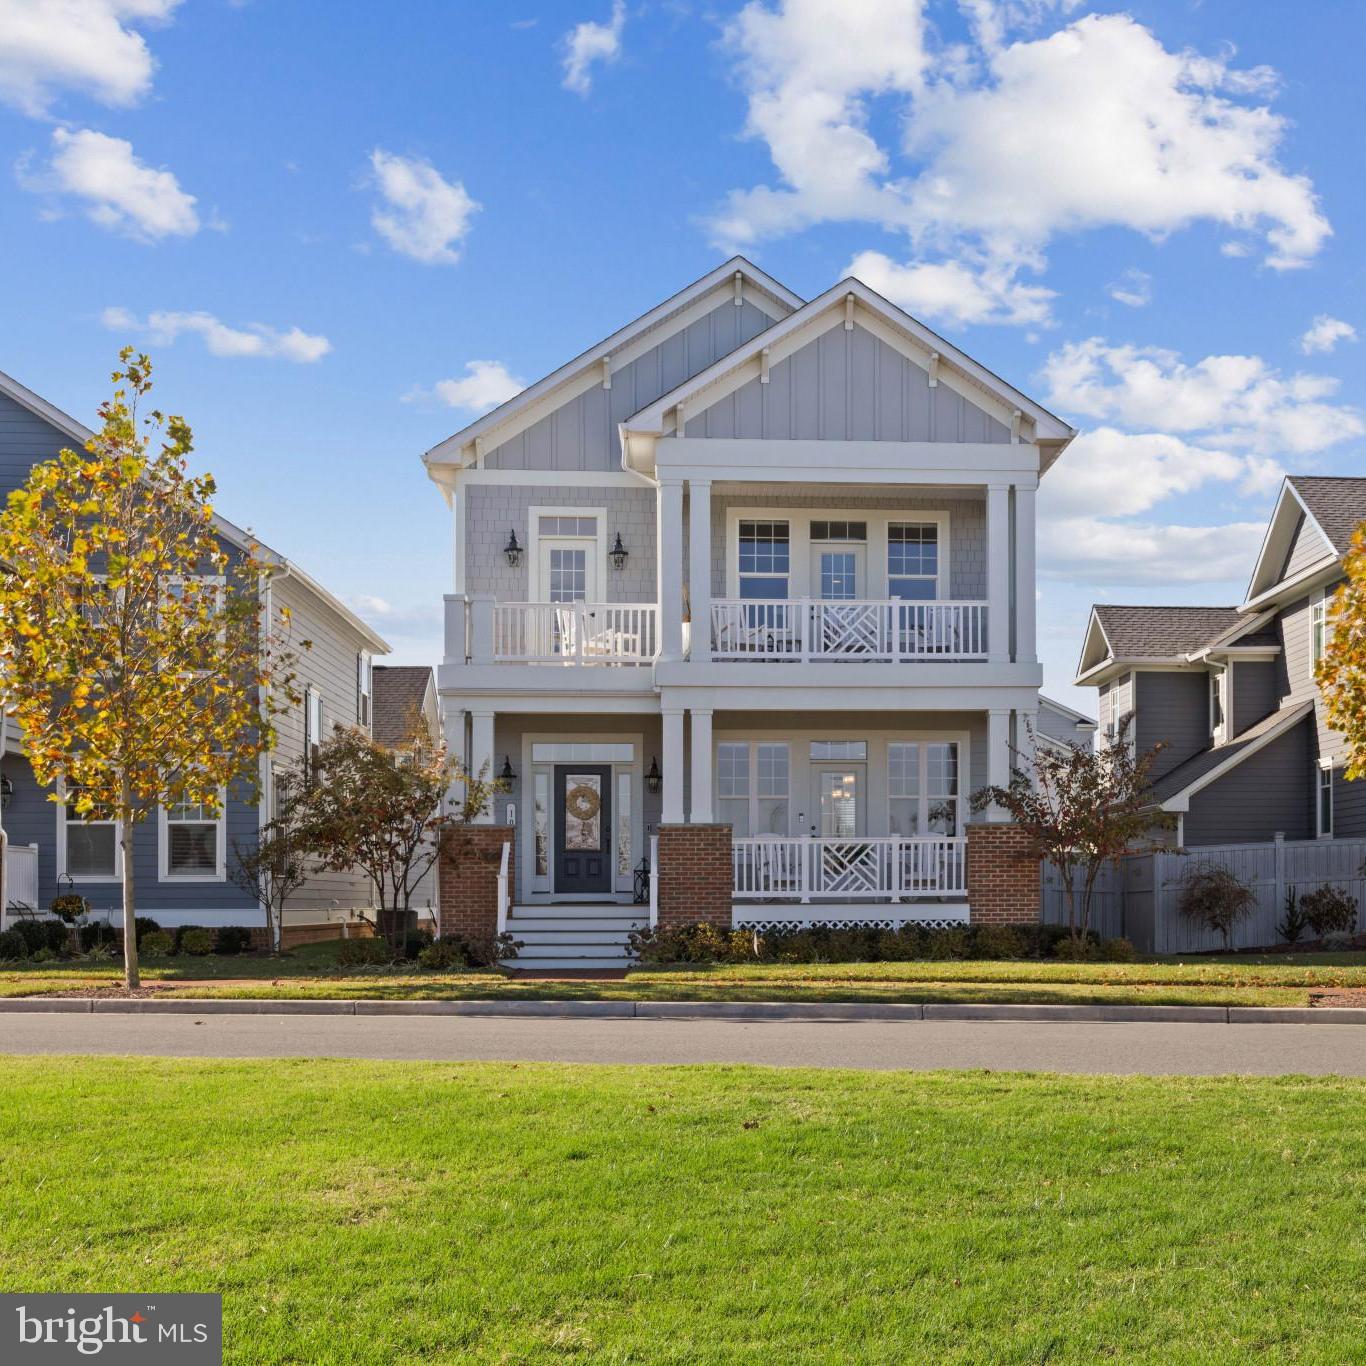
923, 789
913, 561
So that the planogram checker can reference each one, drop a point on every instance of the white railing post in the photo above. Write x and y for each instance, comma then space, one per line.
896, 871
654, 881
503, 888
456, 629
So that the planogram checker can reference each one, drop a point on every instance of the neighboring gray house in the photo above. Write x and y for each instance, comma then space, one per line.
1230, 691
183, 856
1063, 727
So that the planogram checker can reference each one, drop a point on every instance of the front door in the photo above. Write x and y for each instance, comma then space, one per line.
838, 797
583, 828
839, 571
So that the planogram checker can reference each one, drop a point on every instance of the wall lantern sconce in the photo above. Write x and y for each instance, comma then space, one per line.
654, 779
618, 554
506, 775
512, 550
6, 792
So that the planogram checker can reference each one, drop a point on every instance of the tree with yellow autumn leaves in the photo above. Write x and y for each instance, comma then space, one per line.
1342, 670
134, 655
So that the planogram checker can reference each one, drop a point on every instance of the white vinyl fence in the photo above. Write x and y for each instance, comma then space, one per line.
1137, 898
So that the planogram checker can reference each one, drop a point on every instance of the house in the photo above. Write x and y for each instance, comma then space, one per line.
1230, 691
744, 598
184, 855
1062, 728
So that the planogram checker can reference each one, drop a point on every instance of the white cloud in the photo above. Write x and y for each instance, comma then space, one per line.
953, 291
1325, 333
589, 43
117, 191
256, 339
89, 46
423, 216
1008, 141
1134, 287
1095, 551
484, 385
1239, 401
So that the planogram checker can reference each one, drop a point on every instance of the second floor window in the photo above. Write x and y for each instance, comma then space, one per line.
363, 676
1216, 704
313, 725
1318, 629
765, 559
1325, 803
913, 560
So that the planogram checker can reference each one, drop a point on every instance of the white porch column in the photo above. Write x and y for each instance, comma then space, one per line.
998, 573
453, 729
699, 573
1026, 728
672, 813
481, 755
669, 502
701, 813
998, 756
1026, 605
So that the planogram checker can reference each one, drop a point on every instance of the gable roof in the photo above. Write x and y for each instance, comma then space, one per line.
737, 273
400, 692
1077, 718
1328, 508
1337, 505
1162, 632
924, 346
40, 407
1174, 790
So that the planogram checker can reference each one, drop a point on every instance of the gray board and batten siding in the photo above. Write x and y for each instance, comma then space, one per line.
1170, 709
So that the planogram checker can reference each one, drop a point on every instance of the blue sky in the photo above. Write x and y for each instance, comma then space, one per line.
317, 218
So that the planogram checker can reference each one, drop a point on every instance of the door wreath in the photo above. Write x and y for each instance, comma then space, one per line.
582, 802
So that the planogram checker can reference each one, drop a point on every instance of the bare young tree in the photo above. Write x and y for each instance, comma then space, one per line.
1081, 810
271, 868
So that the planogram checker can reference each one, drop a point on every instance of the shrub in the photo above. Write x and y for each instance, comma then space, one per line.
144, 924
1329, 910
1074, 950
42, 934
444, 955
414, 942
68, 908
487, 951
1216, 899
97, 935
1293, 926
232, 939
997, 941
1117, 951
158, 944
195, 940
12, 946
44, 955
364, 953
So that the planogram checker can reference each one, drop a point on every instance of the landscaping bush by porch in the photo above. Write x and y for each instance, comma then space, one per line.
705, 943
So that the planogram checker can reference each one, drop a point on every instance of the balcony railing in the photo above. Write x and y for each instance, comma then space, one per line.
805, 629
875, 868
574, 633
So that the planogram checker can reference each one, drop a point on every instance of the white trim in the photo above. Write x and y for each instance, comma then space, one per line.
1317, 616
84, 879
585, 479
219, 874
40, 407
538, 591
799, 544
1220, 685
1271, 544
1325, 766
651, 328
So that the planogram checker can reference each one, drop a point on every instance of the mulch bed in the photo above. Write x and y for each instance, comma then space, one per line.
1339, 996
106, 993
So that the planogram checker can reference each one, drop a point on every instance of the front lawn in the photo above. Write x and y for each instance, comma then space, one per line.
312, 972
382, 1212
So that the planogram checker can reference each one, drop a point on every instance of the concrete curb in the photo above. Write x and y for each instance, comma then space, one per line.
697, 1010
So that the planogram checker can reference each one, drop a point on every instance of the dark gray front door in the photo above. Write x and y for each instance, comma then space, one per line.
583, 828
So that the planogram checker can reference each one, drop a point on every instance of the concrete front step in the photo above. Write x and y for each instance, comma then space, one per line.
544, 924
558, 938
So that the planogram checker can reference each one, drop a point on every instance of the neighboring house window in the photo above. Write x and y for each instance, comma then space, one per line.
313, 725
913, 560
765, 559
192, 842
1318, 628
363, 675
752, 784
1217, 703
923, 790
88, 845
1325, 802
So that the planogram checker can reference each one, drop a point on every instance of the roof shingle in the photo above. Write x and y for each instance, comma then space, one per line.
399, 690
1337, 504
1162, 632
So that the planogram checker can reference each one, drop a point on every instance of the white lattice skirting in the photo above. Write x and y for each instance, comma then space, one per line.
777, 919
